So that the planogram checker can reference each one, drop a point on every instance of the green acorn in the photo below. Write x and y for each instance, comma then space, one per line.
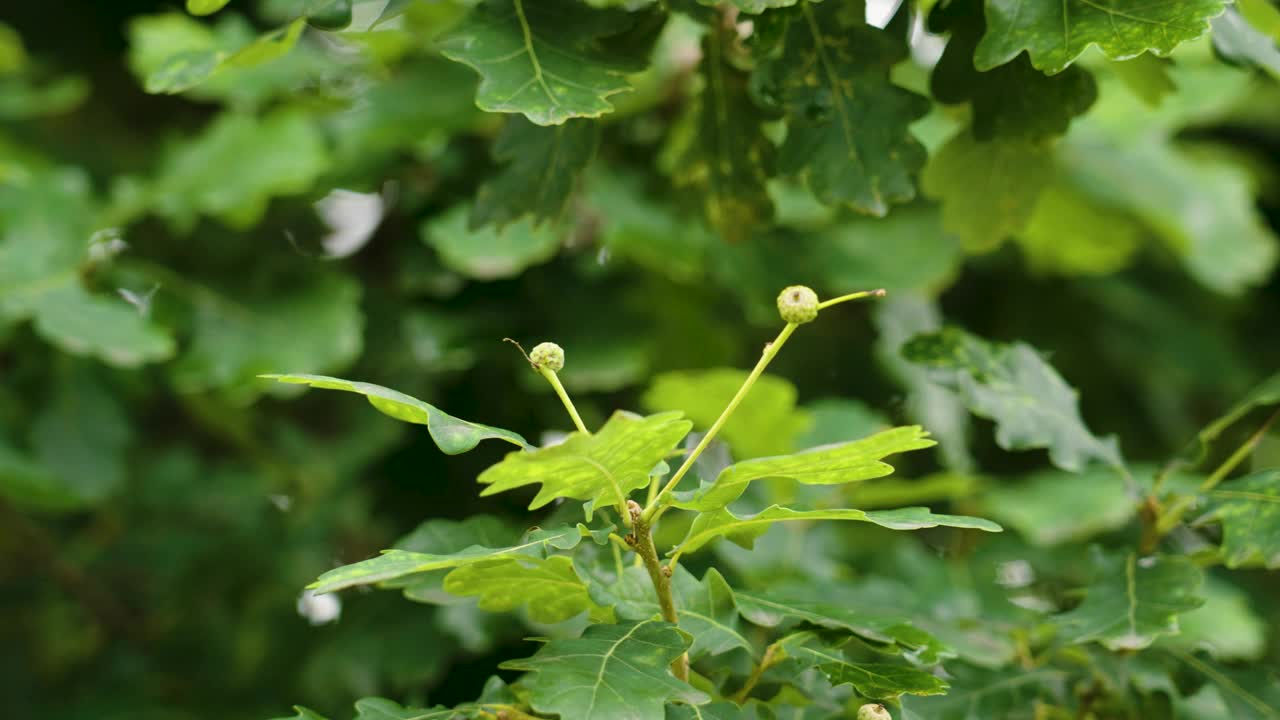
798, 304
547, 355
874, 711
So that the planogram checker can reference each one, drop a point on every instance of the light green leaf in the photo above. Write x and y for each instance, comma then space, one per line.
490, 252
611, 672
1225, 625
603, 467
905, 251
543, 166
744, 530
1146, 76
302, 713
833, 80
205, 7
210, 174
837, 420
1249, 510
45, 227
452, 435
1011, 101
237, 339
706, 607
875, 681
1241, 42
832, 465
1054, 34
1132, 601
550, 588
186, 69
1262, 15
394, 564
988, 190
1265, 393
1051, 507
546, 60
1069, 234
1202, 208
830, 607
767, 421
724, 153
755, 7
1013, 385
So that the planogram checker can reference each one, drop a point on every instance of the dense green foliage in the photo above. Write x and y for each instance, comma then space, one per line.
1073, 207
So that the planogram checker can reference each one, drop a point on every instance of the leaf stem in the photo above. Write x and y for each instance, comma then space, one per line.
648, 552
1239, 455
878, 292
554, 379
651, 511
767, 661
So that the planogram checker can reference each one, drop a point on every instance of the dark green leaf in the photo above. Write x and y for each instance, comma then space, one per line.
612, 671
876, 681
713, 711
1248, 694
546, 60
725, 154
603, 467
1050, 507
452, 435
833, 81
1013, 385
1055, 34
1132, 600
978, 694
81, 436
705, 607
542, 170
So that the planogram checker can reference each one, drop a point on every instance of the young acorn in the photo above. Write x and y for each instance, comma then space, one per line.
874, 711
798, 304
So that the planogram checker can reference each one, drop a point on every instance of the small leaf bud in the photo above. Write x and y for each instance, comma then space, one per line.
873, 711
547, 355
798, 304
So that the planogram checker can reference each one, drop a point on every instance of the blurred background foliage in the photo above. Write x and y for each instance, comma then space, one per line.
295, 198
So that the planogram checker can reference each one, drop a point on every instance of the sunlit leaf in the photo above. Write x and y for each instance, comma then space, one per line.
837, 464
765, 423
550, 588
603, 467
452, 435
744, 530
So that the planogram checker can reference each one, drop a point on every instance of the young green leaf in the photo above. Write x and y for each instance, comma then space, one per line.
1249, 510
1132, 601
1055, 34
395, 564
1013, 385
831, 465
1011, 101
708, 526
603, 467
706, 606
205, 7
612, 671
543, 166
847, 123
544, 59
452, 435
550, 587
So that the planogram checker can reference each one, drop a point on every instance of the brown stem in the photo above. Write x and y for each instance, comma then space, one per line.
660, 576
